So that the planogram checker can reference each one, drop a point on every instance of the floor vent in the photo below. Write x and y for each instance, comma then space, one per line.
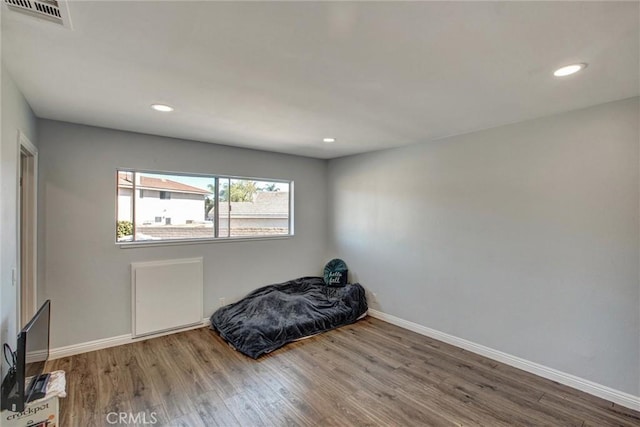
51, 10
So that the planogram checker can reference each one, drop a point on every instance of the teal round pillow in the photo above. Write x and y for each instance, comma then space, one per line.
335, 272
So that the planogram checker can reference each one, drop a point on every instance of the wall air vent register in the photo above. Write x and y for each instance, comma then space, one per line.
50, 10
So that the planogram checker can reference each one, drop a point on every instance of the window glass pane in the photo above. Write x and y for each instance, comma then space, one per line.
163, 206
124, 226
171, 207
258, 208
223, 205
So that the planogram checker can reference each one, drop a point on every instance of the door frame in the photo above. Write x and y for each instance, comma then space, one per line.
27, 238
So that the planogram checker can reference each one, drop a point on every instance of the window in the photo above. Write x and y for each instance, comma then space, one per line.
154, 206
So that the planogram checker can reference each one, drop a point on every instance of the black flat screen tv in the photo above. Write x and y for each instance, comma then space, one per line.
28, 382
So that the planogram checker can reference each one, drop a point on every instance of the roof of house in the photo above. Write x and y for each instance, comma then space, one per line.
161, 184
265, 203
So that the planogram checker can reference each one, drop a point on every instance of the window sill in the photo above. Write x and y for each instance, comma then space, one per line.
179, 242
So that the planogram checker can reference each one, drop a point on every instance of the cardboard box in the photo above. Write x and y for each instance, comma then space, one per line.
41, 413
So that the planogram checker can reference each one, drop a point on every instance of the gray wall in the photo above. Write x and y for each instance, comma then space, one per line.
523, 238
16, 115
87, 276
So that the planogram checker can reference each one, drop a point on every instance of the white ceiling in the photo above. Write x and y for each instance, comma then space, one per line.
280, 76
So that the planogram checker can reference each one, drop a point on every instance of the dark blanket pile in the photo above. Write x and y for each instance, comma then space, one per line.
274, 315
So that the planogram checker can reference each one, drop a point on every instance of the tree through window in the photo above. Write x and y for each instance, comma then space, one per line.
161, 206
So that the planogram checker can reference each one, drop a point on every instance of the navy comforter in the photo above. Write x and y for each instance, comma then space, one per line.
274, 315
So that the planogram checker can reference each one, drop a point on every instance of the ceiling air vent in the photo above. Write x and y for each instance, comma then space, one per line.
51, 10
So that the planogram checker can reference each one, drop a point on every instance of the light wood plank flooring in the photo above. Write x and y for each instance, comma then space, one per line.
367, 374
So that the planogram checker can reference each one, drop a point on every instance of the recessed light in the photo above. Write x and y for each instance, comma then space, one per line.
162, 107
567, 70
328, 140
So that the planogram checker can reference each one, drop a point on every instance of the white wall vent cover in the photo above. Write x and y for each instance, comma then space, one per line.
51, 10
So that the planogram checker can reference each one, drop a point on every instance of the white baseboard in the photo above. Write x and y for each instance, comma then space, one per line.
71, 350
621, 398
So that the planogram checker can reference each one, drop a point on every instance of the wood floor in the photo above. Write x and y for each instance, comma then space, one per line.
370, 373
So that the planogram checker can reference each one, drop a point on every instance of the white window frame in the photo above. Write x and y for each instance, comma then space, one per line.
169, 242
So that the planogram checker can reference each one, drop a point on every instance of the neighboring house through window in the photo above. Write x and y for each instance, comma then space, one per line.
170, 207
